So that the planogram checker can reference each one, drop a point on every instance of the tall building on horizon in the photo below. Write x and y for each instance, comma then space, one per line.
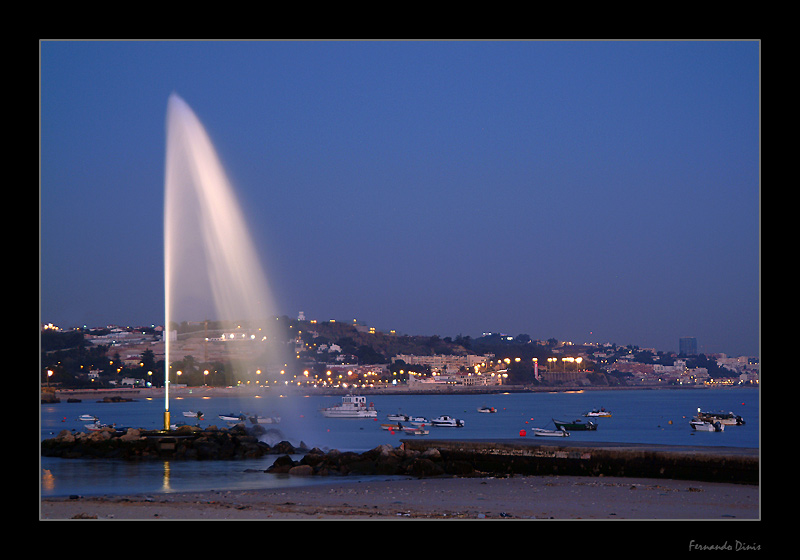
687, 346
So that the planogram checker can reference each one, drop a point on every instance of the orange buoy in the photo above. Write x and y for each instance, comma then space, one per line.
522, 433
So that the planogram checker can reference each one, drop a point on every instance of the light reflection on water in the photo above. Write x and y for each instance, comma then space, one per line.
646, 416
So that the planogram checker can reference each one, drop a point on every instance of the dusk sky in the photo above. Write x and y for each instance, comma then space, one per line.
584, 191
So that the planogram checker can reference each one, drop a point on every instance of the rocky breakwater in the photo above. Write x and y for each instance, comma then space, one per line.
382, 460
186, 442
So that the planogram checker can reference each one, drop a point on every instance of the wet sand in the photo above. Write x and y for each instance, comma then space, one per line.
515, 498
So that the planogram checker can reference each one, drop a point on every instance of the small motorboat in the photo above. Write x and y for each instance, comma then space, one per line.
543, 432
258, 419
398, 417
392, 427
598, 413
231, 417
415, 431
192, 414
725, 418
420, 421
576, 425
447, 421
487, 409
706, 426
87, 418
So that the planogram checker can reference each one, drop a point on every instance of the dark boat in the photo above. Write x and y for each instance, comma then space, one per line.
576, 425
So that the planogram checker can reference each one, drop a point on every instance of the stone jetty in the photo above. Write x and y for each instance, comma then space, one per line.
418, 458
186, 442
382, 460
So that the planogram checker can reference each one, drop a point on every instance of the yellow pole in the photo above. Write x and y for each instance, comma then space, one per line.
166, 384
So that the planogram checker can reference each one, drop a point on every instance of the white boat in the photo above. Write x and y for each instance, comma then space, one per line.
398, 417
542, 432
231, 417
87, 418
258, 419
705, 426
487, 409
598, 413
352, 406
725, 418
416, 431
191, 414
420, 421
447, 421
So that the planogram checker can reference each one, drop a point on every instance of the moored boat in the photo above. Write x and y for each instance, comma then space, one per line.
392, 427
192, 414
598, 413
352, 406
576, 425
232, 417
725, 418
398, 417
447, 421
487, 409
87, 418
258, 419
415, 431
543, 432
420, 421
701, 425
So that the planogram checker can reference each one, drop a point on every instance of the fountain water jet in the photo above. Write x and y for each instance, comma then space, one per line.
209, 256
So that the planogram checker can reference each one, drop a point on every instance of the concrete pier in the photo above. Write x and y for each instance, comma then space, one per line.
534, 457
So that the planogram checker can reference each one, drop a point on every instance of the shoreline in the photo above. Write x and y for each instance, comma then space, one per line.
207, 391
447, 498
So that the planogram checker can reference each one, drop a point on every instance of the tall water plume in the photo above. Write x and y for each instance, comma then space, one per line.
211, 267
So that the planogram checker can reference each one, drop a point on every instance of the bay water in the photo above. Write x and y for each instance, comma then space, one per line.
645, 416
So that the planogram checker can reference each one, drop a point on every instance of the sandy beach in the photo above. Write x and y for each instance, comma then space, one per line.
514, 498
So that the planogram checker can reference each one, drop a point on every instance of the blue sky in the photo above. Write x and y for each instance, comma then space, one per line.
585, 191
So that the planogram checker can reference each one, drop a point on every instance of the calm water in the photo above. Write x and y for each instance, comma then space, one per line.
640, 416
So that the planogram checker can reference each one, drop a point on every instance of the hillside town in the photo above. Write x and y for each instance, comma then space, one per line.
350, 354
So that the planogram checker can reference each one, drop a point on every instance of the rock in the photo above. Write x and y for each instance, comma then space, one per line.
131, 435
281, 465
459, 468
65, 436
422, 467
432, 453
101, 435
187, 429
301, 470
283, 447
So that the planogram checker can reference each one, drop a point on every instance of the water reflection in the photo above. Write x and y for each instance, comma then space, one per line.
48, 480
165, 486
